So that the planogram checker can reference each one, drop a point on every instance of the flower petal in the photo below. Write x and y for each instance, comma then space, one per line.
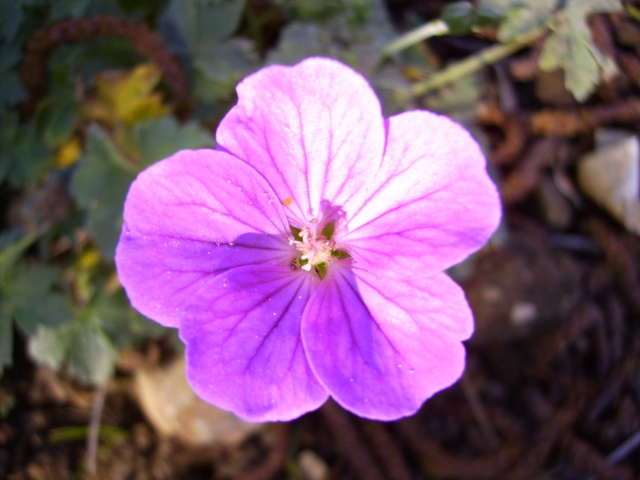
382, 348
193, 215
431, 203
314, 130
244, 351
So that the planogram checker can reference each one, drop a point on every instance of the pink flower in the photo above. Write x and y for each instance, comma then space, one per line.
303, 258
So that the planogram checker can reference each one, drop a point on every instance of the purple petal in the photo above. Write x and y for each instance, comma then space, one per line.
381, 347
244, 351
431, 203
191, 216
314, 130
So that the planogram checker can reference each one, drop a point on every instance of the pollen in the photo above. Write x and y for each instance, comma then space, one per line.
287, 201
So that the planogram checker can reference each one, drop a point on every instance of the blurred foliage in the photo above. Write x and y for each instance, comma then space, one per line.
68, 153
569, 45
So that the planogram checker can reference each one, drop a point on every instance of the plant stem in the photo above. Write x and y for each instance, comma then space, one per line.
434, 28
474, 63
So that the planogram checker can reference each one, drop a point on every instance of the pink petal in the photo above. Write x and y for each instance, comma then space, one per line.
244, 351
191, 216
381, 347
315, 131
431, 203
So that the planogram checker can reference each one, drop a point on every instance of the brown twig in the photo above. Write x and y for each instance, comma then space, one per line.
521, 181
387, 450
515, 135
275, 459
349, 442
437, 462
589, 460
572, 122
622, 263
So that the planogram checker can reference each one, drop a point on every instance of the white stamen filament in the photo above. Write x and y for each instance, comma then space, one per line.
315, 248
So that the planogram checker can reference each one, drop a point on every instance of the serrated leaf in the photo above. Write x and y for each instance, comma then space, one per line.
159, 138
204, 23
80, 346
500, 7
459, 17
31, 300
10, 55
11, 89
218, 72
23, 155
523, 19
56, 116
11, 17
127, 97
358, 44
603, 6
100, 185
6, 338
121, 323
68, 8
571, 48
92, 57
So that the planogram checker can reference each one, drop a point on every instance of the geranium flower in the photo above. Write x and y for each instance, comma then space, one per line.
303, 258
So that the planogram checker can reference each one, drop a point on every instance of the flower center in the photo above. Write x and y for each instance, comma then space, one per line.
317, 249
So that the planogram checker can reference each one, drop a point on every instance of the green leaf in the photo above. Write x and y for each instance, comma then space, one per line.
218, 72
523, 19
485, 17
11, 17
570, 47
10, 55
204, 23
100, 185
603, 6
159, 138
121, 323
459, 17
94, 56
6, 337
81, 347
68, 8
29, 295
56, 116
356, 40
23, 155
11, 89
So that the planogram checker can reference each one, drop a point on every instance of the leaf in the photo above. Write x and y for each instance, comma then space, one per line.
218, 72
94, 56
121, 323
204, 23
11, 89
11, 17
159, 138
6, 337
57, 114
80, 346
31, 300
523, 19
353, 39
100, 185
459, 17
23, 155
68, 8
10, 55
127, 97
571, 48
